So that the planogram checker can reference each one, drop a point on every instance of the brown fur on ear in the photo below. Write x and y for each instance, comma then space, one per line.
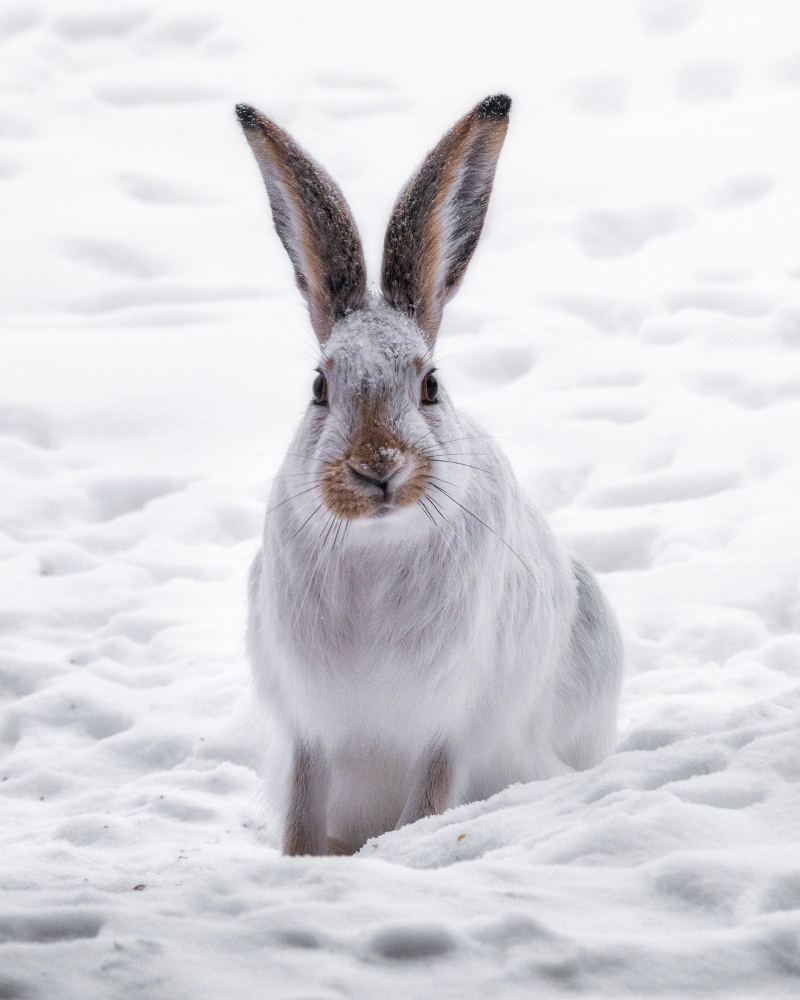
438, 218
313, 221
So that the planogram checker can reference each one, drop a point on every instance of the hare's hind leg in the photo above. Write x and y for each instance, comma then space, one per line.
305, 831
430, 787
588, 693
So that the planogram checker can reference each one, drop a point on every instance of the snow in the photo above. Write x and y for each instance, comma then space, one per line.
629, 330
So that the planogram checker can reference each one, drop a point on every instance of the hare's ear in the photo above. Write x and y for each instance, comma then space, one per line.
438, 218
313, 222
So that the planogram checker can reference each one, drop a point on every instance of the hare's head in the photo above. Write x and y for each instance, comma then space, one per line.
377, 409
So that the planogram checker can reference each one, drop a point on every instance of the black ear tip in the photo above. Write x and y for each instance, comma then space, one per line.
248, 117
496, 106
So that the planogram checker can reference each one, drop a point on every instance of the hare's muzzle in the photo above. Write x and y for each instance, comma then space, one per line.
379, 468
372, 480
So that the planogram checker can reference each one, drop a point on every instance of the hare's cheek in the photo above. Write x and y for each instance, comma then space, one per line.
414, 487
340, 496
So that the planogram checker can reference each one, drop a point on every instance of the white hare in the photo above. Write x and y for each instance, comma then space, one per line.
421, 638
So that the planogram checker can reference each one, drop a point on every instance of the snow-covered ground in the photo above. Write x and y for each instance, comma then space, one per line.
629, 329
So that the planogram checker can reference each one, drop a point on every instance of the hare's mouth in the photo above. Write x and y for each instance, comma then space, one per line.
354, 490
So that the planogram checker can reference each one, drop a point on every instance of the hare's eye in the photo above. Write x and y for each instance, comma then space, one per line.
320, 390
430, 389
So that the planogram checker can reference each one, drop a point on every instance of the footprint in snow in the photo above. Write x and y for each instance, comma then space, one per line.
64, 559
615, 233
721, 791
723, 275
20, 676
715, 635
706, 81
16, 128
614, 551
166, 316
557, 487
702, 883
363, 107
182, 32
27, 425
612, 379
650, 738
171, 295
139, 628
669, 17
786, 325
604, 96
99, 25
496, 365
463, 320
410, 942
666, 487
607, 314
616, 413
725, 300
181, 807
781, 893
683, 764
750, 393
115, 497
298, 937
96, 720
741, 191
783, 654
14, 989
85, 831
666, 329
135, 95
788, 70
65, 924
53, 708
238, 522
355, 96
17, 20
113, 258
144, 751
352, 81
10, 168
156, 191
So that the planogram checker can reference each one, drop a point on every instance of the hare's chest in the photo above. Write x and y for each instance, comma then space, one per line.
371, 624
362, 621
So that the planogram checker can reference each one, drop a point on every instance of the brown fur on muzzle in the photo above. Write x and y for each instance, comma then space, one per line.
375, 452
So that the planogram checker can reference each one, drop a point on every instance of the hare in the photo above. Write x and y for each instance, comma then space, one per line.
415, 630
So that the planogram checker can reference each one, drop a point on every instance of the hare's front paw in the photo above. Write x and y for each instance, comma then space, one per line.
305, 823
431, 786
336, 846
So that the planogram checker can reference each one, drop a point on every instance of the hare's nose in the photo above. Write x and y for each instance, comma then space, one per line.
377, 473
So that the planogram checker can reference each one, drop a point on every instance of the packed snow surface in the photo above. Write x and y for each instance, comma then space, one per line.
629, 330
